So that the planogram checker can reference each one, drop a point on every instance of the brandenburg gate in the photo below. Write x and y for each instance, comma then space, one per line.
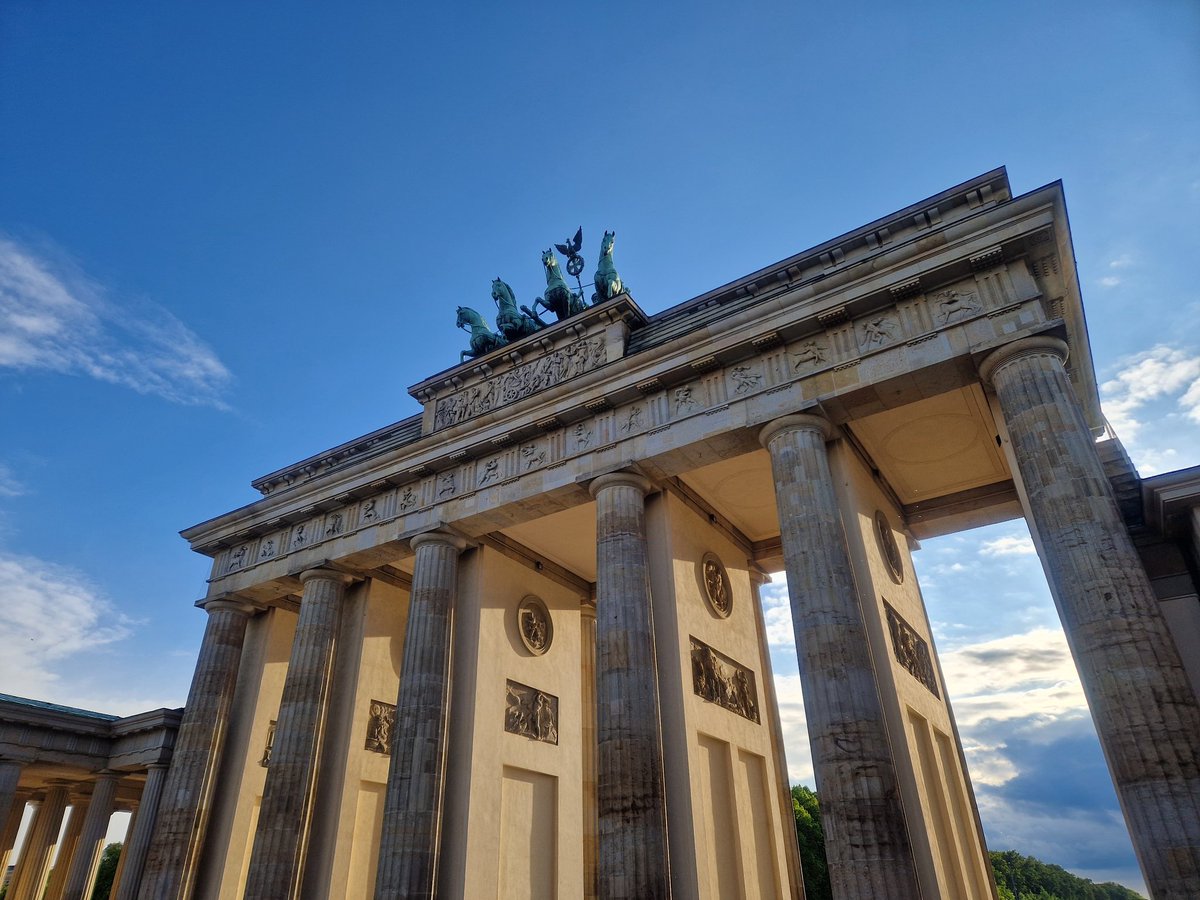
512, 645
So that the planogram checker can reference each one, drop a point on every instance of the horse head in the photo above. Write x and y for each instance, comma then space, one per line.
467, 316
550, 261
503, 294
606, 243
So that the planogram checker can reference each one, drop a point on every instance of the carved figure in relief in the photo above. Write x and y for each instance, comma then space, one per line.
236, 559
335, 524
583, 435
533, 456
514, 324
483, 339
878, 330
530, 712
543, 718
608, 282
684, 399
715, 584
408, 499
534, 627
745, 378
953, 303
491, 471
810, 354
634, 420
446, 484
368, 510
559, 298
268, 549
380, 723
298, 536
723, 681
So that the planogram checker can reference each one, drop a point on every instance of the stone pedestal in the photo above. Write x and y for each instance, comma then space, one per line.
187, 795
276, 864
410, 840
137, 841
631, 799
91, 839
867, 841
1145, 712
29, 878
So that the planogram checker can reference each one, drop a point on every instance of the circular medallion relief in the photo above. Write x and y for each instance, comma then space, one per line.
714, 581
888, 548
534, 625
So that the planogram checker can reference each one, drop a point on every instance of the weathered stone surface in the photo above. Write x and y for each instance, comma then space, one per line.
29, 877
867, 840
1146, 714
631, 804
141, 831
187, 796
410, 839
277, 862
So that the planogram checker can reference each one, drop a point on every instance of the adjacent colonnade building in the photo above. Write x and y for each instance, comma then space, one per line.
512, 646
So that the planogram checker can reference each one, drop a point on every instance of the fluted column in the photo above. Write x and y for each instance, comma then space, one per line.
137, 841
187, 796
10, 777
118, 875
412, 812
276, 864
29, 878
867, 841
587, 690
66, 849
1145, 711
91, 840
631, 806
12, 824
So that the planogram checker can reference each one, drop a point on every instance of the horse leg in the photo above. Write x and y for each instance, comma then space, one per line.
532, 313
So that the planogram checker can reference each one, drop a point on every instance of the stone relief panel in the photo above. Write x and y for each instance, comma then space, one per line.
269, 745
381, 720
745, 379
721, 680
911, 650
885, 538
714, 584
530, 712
521, 381
535, 625
878, 331
809, 355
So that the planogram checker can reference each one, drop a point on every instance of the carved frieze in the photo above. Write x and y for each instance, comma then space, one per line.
885, 538
721, 680
714, 582
521, 381
955, 305
530, 712
911, 650
380, 722
535, 625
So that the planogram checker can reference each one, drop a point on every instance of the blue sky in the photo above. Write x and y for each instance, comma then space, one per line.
231, 235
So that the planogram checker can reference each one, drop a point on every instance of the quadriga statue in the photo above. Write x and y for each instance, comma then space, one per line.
514, 324
608, 282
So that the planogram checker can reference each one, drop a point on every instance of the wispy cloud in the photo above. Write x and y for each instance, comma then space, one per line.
10, 485
54, 318
1009, 545
50, 613
1160, 372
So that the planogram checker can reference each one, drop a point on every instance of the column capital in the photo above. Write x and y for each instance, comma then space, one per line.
228, 604
624, 477
437, 537
797, 422
1039, 345
325, 575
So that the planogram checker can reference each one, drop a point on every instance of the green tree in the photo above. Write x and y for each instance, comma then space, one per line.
811, 836
107, 871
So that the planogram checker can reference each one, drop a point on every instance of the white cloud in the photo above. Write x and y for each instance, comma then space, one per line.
1009, 545
1109, 281
10, 485
1124, 261
49, 614
1160, 372
54, 318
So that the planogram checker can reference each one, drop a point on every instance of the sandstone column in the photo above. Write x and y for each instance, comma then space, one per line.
631, 806
12, 824
29, 878
137, 841
277, 862
187, 796
86, 857
119, 875
1145, 712
412, 812
867, 842
66, 849
10, 777
587, 691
